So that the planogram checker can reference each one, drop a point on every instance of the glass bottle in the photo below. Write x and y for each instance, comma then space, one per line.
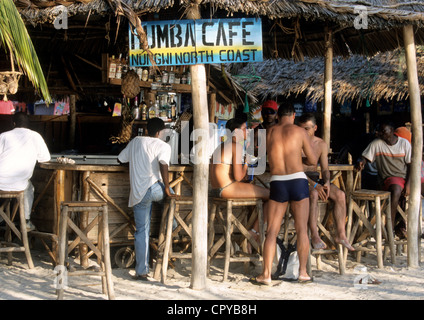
173, 108
144, 113
145, 74
156, 107
171, 76
112, 68
119, 67
152, 110
136, 110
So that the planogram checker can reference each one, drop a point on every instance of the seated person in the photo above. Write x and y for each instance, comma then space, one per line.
20, 149
392, 157
322, 189
228, 169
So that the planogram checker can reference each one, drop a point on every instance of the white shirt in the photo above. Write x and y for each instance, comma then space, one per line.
20, 149
144, 155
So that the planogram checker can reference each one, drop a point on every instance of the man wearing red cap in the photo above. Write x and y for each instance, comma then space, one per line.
269, 114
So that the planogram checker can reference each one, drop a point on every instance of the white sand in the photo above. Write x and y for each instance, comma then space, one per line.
17, 282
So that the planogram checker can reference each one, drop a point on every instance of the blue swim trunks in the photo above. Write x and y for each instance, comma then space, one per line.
290, 187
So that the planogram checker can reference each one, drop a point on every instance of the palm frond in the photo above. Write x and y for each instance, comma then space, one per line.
14, 36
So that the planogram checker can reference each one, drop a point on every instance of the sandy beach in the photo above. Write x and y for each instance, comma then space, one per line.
398, 282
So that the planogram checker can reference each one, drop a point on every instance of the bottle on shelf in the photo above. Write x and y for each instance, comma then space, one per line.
144, 112
145, 74
183, 77
112, 68
152, 110
136, 110
188, 77
125, 66
119, 67
173, 107
156, 106
171, 76
165, 76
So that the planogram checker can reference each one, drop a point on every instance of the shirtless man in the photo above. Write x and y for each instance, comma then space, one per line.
322, 188
285, 143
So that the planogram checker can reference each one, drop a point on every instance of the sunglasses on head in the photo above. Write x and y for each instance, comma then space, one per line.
268, 111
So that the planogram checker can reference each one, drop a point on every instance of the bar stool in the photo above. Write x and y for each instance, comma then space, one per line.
359, 203
102, 250
8, 246
402, 243
242, 222
324, 212
166, 234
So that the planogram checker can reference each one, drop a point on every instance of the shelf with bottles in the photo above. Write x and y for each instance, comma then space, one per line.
167, 78
162, 105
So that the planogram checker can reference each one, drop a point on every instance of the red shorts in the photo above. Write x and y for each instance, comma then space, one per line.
394, 180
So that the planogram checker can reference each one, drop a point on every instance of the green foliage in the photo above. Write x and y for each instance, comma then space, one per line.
14, 36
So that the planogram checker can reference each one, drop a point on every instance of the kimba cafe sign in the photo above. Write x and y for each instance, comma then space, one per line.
185, 42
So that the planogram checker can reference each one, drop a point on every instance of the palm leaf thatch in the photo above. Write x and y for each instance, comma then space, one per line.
356, 78
14, 36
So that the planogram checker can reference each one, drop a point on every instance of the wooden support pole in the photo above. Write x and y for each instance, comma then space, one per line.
199, 93
328, 85
212, 106
417, 146
200, 179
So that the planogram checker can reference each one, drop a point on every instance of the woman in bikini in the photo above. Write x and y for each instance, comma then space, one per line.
228, 168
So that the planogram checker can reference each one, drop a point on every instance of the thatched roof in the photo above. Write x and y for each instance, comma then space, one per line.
356, 78
381, 13
291, 28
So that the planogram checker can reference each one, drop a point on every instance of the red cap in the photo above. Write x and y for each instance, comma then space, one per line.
271, 104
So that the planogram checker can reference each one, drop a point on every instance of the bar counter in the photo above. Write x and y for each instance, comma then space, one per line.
55, 182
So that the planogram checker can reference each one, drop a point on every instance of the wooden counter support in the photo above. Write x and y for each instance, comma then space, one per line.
88, 182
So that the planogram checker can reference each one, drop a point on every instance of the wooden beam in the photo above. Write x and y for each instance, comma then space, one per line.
328, 86
89, 62
417, 146
201, 169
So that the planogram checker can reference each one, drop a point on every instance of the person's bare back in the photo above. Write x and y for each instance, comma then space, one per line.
285, 142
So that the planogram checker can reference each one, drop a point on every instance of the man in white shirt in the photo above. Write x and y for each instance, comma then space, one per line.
20, 149
148, 159
392, 156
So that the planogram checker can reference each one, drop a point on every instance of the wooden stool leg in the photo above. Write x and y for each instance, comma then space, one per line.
389, 228
211, 234
168, 241
106, 256
62, 251
8, 234
100, 246
228, 232
349, 226
378, 233
161, 239
309, 262
340, 254
24, 232
260, 208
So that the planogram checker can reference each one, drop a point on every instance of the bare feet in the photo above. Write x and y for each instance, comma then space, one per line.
346, 244
319, 244
305, 279
260, 281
